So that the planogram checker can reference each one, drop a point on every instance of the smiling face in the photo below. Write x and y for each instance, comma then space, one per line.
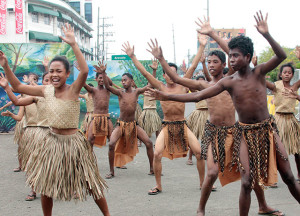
100, 80
58, 74
237, 59
215, 65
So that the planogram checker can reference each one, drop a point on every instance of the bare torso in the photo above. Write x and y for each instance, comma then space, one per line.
173, 111
101, 100
127, 103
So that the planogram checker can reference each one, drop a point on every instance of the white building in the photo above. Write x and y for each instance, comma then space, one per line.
42, 21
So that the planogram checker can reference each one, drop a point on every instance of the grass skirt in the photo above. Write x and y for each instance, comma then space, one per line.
196, 122
289, 132
150, 121
65, 165
86, 122
138, 111
19, 130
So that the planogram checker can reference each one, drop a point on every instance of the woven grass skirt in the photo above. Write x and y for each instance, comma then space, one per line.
65, 165
86, 122
150, 121
138, 112
196, 122
289, 131
19, 129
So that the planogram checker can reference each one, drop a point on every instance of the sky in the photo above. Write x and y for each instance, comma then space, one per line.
139, 21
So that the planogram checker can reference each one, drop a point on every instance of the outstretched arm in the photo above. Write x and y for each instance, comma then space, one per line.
9, 104
190, 97
280, 55
130, 52
206, 29
46, 63
202, 40
156, 51
12, 115
271, 86
88, 88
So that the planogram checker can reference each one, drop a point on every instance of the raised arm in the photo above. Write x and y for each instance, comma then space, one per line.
46, 63
156, 51
84, 69
130, 52
206, 29
280, 55
202, 40
297, 53
12, 115
88, 88
142, 90
190, 97
16, 84
108, 86
9, 104
205, 71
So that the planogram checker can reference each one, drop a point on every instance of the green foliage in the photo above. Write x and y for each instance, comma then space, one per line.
268, 53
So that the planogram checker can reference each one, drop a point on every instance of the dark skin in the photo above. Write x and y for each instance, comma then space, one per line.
247, 88
127, 101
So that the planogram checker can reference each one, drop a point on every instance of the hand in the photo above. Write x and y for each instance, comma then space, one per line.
202, 39
46, 61
202, 59
254, 59
205, 27
156, 50
128, 50
6, 113
261, 23
157, 95
154, 64
75, 64
25, 79
3, 81
297, 52
3, 59
183, 68
100, 68
69, 34
290, 93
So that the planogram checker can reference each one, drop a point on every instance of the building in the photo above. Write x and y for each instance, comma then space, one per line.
84, 8
42, 22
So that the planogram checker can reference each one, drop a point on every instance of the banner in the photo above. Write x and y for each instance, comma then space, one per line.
2, 17
19, 16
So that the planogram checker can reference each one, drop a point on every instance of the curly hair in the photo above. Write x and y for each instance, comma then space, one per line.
219, 54
283, 66
243, 43
128, 75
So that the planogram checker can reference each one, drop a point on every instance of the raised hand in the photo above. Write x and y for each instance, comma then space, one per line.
127, 49
3, 59
6, 113
297, 52
154, 64
45, 62
3, 81
261, 23
202, 39
69, 34
25, 79
156, 50
157, 95
204, 25
254, 59
290, 93
183, 68
100, 68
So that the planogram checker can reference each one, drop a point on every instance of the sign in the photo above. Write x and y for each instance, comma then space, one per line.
19, 16
2, 17
120, 57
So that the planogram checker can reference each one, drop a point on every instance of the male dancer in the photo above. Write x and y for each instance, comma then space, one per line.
258, 150
175, 137
217, 143
123, 142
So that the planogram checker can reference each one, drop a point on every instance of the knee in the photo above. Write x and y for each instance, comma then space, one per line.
112, 146
149, 144
157, 156
246, 183
288, 178
212, 174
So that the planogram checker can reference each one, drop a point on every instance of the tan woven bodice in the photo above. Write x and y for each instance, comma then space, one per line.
42, 120
201, 105
89, 103
30, 114
282, 103
149, 104
62, 114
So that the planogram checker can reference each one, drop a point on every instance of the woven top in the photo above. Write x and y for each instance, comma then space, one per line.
30, 114
282, 103
89, 103
201, 105
42, 120
148, 104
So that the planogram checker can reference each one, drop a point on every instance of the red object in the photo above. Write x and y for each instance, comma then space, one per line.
19, 16
2, 17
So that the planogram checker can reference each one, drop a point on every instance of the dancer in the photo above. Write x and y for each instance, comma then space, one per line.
64, 164
123, 142
89, 109
175, 138
256, 136
149, 119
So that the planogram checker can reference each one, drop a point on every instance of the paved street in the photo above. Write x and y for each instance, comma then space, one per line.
127, 194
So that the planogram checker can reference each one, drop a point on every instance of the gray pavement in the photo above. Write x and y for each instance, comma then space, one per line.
127, 193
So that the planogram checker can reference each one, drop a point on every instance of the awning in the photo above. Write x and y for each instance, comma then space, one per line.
65, 17
43, 36
42, 10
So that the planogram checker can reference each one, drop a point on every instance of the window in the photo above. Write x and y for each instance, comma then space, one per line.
47, 19
35, 17
88, 12
76, 6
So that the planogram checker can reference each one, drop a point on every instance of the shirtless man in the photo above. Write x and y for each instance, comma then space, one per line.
175, 137
216, 147
123, 142
247, 89
101, 126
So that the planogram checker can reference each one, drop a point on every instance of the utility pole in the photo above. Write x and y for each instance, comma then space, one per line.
104, 35
98, 35
208, 45
174, 44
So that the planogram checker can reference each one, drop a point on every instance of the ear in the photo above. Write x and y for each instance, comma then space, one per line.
68, 74
248, 57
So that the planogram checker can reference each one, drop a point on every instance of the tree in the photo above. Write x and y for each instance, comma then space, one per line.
268, 53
